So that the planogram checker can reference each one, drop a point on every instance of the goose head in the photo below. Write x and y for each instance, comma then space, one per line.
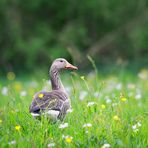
61, 63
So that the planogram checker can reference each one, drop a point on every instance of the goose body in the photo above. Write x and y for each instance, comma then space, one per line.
55, 103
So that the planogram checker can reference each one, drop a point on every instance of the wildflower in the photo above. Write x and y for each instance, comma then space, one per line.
18, 86
143, 74
23, 93
96, 94
87, 125
138, 96
4, 91
50, 145
116, 118
138, 124
131, 86
108, 100
64, 125
90, 104
1, 121
12, 142
123, 99
83, 94
103, 106
17, 127
41, 95
10, 75
106, 145
134, 127
82, 77
68, 139
119, 86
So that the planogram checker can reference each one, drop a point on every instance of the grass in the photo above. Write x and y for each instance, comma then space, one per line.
110, 109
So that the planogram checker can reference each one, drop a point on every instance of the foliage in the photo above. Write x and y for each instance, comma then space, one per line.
108, 111
32, 33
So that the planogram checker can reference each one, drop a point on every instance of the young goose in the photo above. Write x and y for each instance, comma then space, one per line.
54, 104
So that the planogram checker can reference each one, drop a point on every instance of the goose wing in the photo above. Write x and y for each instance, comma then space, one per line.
45, 101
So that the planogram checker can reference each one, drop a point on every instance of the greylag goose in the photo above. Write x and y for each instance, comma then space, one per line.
55, 103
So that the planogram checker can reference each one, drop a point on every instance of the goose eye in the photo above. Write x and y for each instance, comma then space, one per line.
61, 61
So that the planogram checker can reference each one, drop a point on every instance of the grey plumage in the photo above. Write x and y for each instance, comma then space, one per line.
56, 102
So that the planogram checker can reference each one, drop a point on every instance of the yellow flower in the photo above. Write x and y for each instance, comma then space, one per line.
10, 75
116, 118
1, 121
82, 77
17, 127
68, 139
18, 86
41, 96
103, 106
123, 99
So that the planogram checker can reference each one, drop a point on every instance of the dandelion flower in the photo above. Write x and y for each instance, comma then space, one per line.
64, 125
103, 106
10, 75
41, 96
17, 127
116, 118
87, 125
90, 104
106, 145
68, 139
123, 99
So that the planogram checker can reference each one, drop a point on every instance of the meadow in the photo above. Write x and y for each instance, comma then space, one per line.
107, 111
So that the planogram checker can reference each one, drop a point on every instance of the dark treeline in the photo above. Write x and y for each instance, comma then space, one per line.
32, 33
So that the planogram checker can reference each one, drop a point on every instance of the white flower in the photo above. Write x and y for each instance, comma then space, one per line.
64, 125
23, 93
114, 104
4, 91
12, 142
108, 101
131, 86
90, 104
87, 125
96, 94
134, 127
119, 86
106, 145
138, 124
70, 110
50, 145
83, 94
138, 96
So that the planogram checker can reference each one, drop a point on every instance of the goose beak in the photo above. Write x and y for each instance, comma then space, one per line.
70, 66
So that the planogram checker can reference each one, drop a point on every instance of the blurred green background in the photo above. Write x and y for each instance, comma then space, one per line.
33, 33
